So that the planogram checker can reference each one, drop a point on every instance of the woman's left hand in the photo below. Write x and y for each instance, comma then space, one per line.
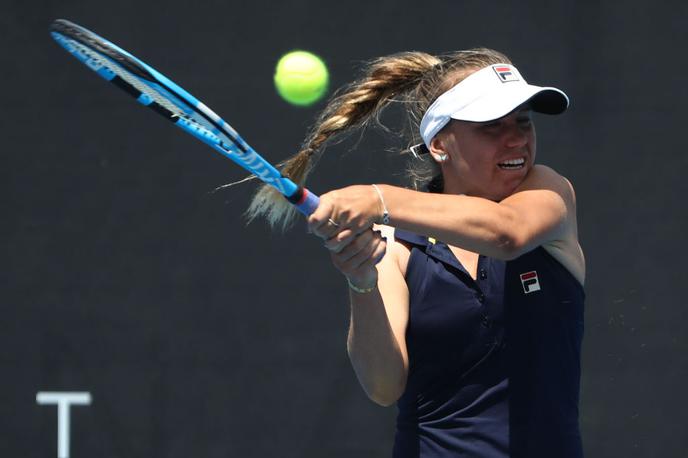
353, 209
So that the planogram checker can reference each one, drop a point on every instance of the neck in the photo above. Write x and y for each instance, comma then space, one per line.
452, 186
456, 187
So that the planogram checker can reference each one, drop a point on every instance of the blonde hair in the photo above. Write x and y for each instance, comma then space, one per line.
415, 79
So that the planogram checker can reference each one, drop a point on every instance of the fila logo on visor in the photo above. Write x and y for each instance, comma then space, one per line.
504, 73
530, 282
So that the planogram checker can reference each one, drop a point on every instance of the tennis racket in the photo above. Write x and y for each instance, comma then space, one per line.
152, 89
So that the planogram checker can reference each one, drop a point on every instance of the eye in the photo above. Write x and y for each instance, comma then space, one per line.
524, 122
493, 125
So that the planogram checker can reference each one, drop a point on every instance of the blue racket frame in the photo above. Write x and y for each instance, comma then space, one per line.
113, 61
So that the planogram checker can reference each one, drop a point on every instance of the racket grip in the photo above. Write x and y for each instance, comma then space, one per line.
308, 202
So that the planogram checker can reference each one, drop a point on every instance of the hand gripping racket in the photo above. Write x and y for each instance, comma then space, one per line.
159, 93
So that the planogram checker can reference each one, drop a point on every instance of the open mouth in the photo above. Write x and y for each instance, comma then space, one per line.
512, 164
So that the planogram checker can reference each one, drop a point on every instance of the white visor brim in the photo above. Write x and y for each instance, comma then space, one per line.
489, 94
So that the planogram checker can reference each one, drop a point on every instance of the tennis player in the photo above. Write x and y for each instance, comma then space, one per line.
472, 321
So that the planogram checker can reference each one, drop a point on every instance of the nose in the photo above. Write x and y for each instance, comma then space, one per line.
516, 136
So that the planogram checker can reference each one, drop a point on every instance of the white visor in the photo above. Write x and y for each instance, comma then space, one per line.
486, 95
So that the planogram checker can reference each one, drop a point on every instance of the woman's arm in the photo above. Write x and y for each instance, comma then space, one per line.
541, 210
376, 340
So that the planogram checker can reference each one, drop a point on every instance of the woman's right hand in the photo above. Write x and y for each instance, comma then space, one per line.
355, 255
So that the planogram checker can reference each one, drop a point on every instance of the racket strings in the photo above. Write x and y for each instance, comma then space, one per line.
117, 68
158, 98
151, 93
163, 96
101, 57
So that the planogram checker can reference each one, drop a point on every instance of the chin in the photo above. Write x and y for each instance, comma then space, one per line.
501, 197
512, 182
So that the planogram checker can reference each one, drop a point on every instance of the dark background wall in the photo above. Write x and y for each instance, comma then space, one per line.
124, 275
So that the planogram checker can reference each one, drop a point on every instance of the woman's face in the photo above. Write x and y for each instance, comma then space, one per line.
487, 159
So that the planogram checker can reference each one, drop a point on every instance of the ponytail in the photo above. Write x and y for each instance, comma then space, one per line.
415, 78
353, 107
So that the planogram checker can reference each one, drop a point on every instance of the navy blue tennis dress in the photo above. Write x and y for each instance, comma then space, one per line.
494, 363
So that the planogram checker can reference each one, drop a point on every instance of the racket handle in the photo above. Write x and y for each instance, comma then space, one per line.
307, 203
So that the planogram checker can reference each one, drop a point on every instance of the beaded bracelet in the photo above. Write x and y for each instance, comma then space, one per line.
385, 213
361, 290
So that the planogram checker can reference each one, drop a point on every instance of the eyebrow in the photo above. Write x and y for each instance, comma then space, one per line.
520, 111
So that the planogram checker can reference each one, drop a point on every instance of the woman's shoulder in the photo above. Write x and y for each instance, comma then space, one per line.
544, 177
567, 249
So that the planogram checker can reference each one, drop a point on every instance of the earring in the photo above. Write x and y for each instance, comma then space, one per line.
442, 157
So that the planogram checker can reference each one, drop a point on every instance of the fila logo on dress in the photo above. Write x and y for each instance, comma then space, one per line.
530, 282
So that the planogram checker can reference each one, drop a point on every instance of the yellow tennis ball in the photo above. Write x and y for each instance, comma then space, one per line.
301, 78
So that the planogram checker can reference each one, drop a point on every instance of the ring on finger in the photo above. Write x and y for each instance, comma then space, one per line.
332, 222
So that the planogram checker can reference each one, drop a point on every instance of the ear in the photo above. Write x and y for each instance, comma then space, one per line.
438, 148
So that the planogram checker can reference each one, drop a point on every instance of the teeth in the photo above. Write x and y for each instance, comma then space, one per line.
519, 161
